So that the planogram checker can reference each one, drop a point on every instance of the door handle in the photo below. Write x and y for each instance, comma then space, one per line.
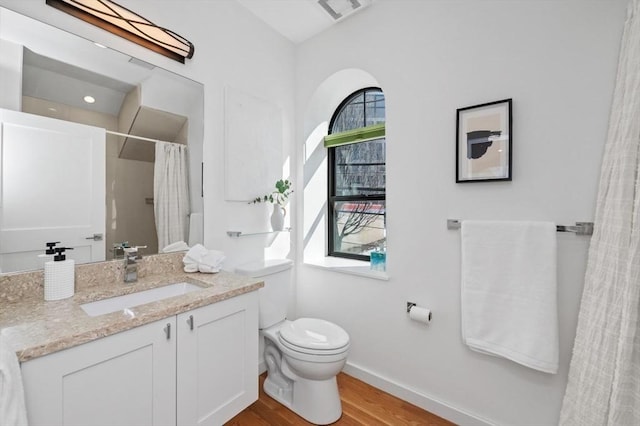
95, 237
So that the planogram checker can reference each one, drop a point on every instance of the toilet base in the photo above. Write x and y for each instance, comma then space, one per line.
282, 394
316, 401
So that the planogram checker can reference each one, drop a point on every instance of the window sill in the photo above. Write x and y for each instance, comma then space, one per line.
347, 266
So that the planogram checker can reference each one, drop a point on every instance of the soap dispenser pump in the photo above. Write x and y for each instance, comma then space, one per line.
51, 248
59, 276
48, 253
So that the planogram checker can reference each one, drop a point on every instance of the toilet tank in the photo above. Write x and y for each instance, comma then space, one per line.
274, 296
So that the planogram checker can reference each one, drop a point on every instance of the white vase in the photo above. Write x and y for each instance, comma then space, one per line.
277, 217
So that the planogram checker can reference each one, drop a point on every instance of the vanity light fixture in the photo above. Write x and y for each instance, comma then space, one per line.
121, 21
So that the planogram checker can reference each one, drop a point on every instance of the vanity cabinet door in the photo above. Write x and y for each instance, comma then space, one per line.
217, 360
125, 379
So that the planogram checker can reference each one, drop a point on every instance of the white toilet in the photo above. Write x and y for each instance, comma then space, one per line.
303, 356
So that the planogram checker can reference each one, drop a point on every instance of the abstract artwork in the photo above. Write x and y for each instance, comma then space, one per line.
483, 142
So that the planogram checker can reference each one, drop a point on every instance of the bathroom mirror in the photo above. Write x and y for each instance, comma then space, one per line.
58, 69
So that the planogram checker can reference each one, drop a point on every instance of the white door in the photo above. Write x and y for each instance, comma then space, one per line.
52, 188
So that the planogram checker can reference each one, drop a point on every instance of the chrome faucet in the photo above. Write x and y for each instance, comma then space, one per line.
131, 257
118, 249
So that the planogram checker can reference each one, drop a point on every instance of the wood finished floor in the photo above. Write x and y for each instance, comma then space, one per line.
361, 405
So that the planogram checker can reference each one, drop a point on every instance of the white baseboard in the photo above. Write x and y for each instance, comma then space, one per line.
414, 397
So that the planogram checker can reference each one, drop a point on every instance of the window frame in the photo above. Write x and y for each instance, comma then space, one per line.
332, 198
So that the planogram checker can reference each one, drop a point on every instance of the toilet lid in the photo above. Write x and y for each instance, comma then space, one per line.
313, 333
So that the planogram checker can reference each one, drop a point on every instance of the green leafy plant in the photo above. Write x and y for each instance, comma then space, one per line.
278, 196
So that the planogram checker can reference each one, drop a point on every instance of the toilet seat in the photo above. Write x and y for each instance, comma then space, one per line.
314, 352
314, 336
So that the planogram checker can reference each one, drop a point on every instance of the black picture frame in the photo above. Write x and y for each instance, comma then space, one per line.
484, 142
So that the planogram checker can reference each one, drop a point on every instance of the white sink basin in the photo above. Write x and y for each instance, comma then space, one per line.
113, 304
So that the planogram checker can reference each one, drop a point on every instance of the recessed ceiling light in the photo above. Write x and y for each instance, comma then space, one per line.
89, 99
52, 109
102, 46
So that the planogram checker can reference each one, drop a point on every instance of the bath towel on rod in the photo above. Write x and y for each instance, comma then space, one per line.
509, 294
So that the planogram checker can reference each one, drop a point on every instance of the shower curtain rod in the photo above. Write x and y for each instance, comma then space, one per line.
141, 138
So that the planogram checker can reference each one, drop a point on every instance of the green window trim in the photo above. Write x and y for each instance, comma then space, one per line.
361, 134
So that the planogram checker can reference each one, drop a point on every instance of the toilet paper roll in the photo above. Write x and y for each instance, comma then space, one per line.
422, 315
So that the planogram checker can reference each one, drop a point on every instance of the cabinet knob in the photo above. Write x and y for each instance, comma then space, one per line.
190, 322
167, 331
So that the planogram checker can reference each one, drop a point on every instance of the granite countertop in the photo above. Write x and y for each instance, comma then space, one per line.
35, 327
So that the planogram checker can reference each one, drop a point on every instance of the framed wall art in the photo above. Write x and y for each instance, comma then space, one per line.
483, 142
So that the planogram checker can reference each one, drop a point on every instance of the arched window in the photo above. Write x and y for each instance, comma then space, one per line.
357, 182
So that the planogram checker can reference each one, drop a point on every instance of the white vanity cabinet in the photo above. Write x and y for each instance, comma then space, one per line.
199, 367
123, 379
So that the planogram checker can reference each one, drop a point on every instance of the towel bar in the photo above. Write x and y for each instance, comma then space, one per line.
580, 228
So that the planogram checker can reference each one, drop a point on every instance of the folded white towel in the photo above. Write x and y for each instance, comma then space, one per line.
509, 294
13, 410
198, 258
196, 253
177, 246
190, 267
213, 259
207, 269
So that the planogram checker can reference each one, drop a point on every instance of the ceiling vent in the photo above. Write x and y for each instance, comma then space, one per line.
340, 9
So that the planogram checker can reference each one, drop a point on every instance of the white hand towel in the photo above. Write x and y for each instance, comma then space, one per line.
208, 269
213, 258
509, 292
196, 253
190, 266
198, 258
13, 410
192, 258
211, 261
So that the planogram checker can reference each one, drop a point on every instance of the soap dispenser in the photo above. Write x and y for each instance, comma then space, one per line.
59, 276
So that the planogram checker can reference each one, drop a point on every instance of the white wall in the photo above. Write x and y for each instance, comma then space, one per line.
232, 48
557, 60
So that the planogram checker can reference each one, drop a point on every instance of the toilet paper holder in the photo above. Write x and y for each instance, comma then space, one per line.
411, 305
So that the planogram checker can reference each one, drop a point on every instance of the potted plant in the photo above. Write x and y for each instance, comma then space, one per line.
278, 198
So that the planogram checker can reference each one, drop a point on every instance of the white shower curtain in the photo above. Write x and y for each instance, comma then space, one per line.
604, 377
171, 193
